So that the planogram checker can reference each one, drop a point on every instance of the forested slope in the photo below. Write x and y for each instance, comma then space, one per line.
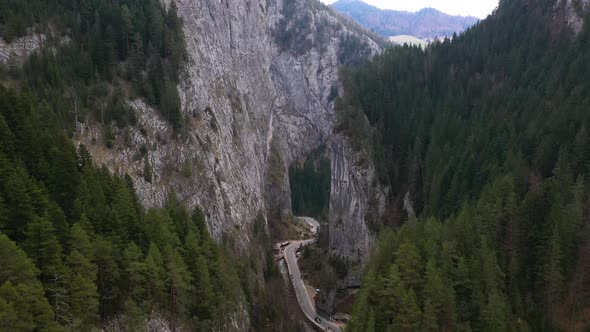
76, 247
489, 135
98, 54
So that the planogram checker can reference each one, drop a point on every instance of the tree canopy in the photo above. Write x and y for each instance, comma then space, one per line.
77, 248
107, 52
488, 133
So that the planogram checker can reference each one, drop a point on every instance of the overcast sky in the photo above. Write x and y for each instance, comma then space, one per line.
477, 8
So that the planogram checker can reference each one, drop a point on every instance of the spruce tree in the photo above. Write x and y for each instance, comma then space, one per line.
21, 293
42, 245
83, 295
201, 303
410, 315
155, 276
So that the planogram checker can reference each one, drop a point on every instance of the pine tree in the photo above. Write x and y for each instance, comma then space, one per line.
4, 224
84, 158
429, 320
18, 200
433, 296
56, 217
42, 245
135, 273
495, 318
156, 24
553, 275
21, 294
137, 56
393, 293
126, 214
80, 241
126, 32
491, 273
178, 281
581, 150
13, 314
147, 170
83, 295
371, 323
410, 316
155, 275
360, 314
410, 264
6, 137
108, 276
201, 288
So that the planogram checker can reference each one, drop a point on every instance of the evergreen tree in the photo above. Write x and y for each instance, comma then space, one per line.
80, 241
495, 316
147, 170
108, 274
22, 299
155, 275
553, 274
43, 246
410, 264
135, 273
201, 288
83, 295
410, 316
178, 281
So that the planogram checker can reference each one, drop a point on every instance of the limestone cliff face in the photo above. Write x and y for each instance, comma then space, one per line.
573, 12
355, 198
258, 93
19, 49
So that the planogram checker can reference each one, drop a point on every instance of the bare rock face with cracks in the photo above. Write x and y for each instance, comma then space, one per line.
257, 94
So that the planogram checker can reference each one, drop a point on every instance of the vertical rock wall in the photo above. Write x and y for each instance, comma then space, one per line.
258, 93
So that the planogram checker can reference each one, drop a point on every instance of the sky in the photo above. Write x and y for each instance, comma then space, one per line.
477, 8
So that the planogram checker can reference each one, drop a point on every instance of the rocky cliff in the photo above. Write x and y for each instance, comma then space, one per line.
258, 93
573, 12
18, 50
355, 199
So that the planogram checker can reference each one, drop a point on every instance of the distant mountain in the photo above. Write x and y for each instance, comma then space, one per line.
425, 24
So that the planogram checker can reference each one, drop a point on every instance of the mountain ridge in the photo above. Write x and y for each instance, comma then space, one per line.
426, 23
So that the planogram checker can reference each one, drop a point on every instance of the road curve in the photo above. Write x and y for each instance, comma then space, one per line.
299, 286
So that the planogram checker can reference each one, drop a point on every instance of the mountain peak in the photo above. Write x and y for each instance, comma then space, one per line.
429, 10
426, 23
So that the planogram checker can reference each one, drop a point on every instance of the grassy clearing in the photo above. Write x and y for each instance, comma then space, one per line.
410, 40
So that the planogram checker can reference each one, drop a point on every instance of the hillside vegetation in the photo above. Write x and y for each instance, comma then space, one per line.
77, 248
106, 52
489, 135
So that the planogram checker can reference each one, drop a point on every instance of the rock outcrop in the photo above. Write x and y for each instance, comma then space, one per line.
258, 93
355, 199
19, 49
574, 12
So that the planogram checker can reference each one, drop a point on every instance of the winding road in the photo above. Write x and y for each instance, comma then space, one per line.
299, 286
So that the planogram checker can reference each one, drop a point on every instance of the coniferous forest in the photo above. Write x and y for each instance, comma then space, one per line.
488, 133
77, 248
107, 52
310, 187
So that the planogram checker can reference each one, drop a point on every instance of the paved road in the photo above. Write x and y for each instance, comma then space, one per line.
299, 287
